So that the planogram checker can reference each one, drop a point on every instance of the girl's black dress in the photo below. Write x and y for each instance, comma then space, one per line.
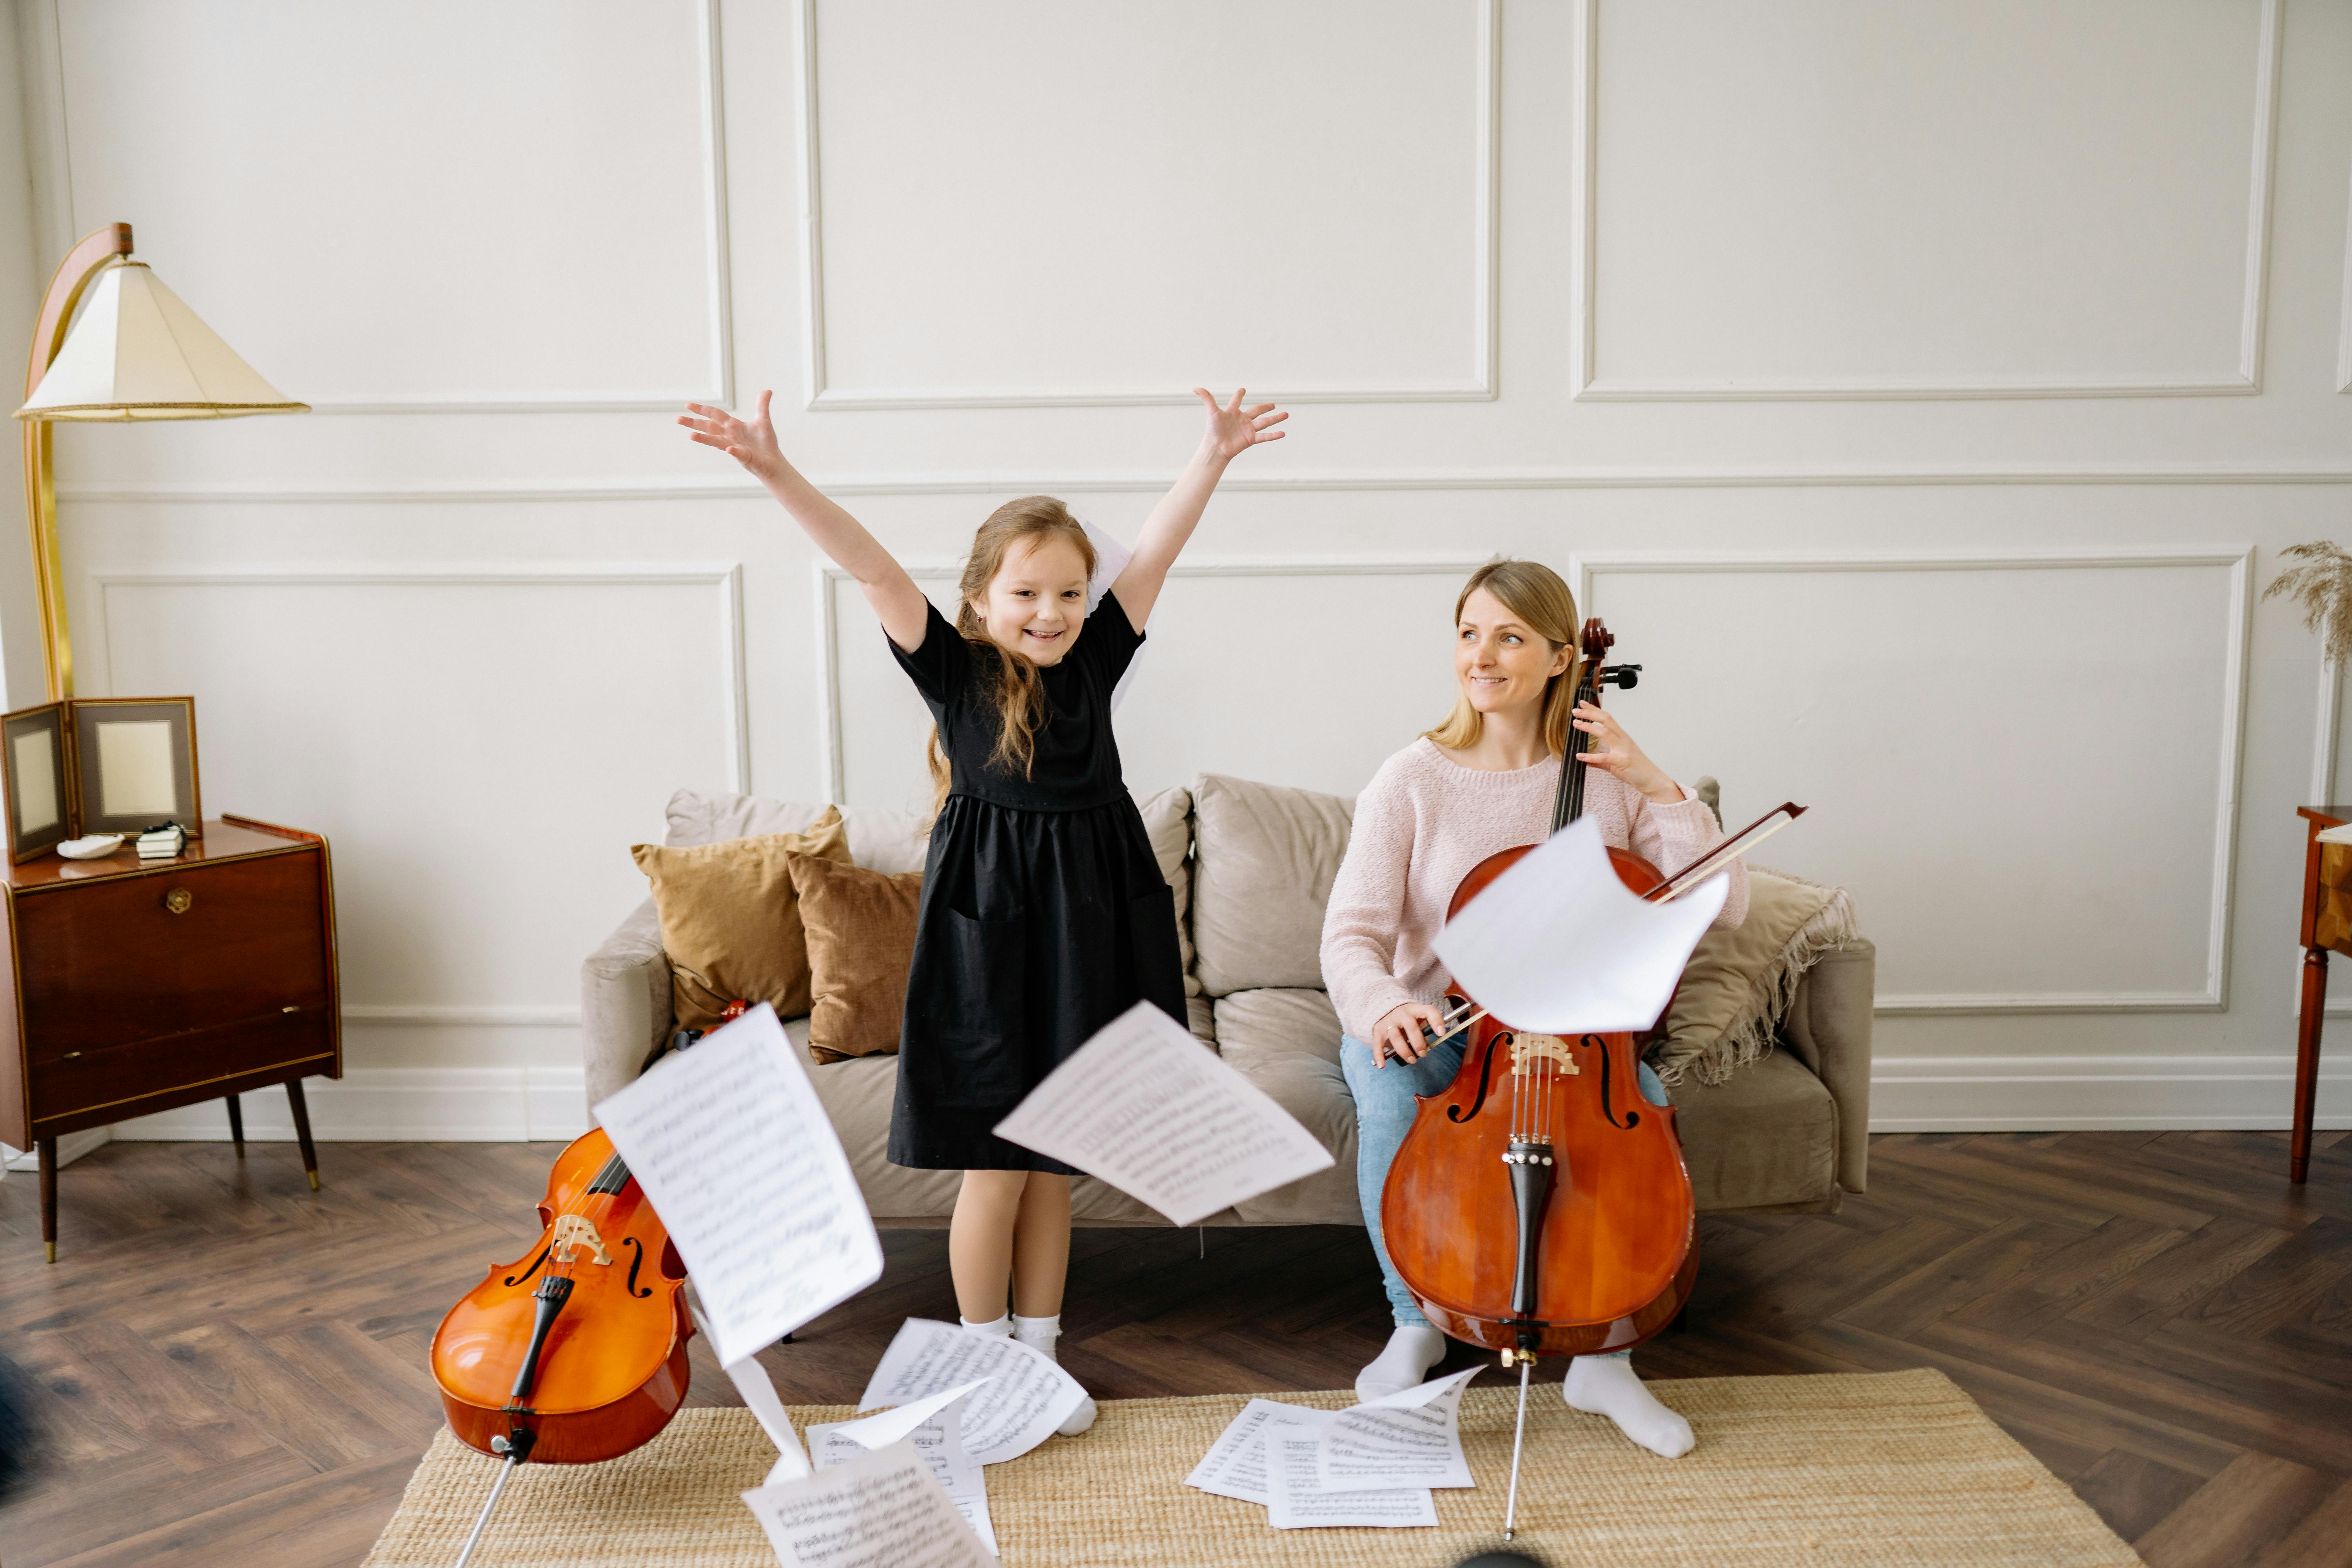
1044, 914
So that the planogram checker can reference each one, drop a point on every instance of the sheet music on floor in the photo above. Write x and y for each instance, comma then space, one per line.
1296, 1500
1027, 1395
1505, 946
881, 1509
1234, 1465
736, 1154
1412, 1439
1148, 1107
935, 1426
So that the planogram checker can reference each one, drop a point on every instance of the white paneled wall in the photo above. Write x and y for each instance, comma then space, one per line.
1922, 392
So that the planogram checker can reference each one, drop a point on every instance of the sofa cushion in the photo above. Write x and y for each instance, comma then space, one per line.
1766, 1135
1288, 1042
1260, 1023
731, 921
861, 940
1262, 859
1738, 983
1168, 819
880, 840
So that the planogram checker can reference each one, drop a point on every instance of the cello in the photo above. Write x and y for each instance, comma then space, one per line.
575, 1352
1563, 1155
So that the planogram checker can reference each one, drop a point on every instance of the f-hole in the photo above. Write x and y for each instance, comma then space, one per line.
636, 1262
1486, 1071
1632, 1117
518, 1279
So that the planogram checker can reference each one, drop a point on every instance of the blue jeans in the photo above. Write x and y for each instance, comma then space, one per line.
1385, 1103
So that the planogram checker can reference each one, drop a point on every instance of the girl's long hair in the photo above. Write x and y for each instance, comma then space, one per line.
1012, 678
1535, 594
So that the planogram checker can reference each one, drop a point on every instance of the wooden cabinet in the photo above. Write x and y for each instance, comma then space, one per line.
142, 987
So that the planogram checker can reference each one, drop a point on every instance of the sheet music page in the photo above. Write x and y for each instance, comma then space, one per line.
737, 1156
880, 1510
1297, 1502
1150, 1109
759, 1391
1557, 944
1412, 1439
1110, 559
935, 1425
1027, 1395
1234, 1465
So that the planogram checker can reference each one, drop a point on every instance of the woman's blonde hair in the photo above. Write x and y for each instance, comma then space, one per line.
1014, 686
1535, 594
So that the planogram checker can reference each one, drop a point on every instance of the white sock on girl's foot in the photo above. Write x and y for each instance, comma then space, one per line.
1411, 1351
1605, 1385
1038, 1333
998, 1328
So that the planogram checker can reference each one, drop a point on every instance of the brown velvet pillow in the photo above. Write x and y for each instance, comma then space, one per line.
731, 923
861, 938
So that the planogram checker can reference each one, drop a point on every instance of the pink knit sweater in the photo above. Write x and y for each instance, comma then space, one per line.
1423, 821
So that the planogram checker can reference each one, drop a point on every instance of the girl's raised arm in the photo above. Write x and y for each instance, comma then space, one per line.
900, 604
1233, 430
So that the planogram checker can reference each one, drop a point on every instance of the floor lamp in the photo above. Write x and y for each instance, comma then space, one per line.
137, 352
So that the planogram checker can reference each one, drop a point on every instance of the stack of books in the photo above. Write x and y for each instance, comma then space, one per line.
163, 843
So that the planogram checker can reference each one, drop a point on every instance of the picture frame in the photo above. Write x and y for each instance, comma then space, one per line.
134, 763
36, 760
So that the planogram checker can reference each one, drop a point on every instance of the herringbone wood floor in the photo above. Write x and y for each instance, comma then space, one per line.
235, 1367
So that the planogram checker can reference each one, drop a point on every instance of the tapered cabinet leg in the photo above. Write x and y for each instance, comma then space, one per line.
2307, 1061
49, 1152
236, 1125
302, 1131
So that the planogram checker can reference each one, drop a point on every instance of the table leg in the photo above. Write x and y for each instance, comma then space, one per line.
48, 1151
302, 1131
236, 1125
2307, 1060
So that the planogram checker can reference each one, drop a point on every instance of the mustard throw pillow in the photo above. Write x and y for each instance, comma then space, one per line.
731, 922
861, 940
1738, 983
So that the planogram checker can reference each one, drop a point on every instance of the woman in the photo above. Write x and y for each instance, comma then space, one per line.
1483, 780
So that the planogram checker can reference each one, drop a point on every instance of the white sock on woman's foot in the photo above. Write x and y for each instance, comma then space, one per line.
1038, 1333
997, 1328
1605, 1385
1411, 1351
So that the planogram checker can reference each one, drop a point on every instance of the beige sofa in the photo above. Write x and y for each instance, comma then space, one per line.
1251, 865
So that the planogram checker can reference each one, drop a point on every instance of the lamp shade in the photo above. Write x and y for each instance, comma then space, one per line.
138, 352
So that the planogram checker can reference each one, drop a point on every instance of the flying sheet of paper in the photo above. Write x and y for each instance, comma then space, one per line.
1026, 1397
1234, 1465
1412, 1439
2341, 835
1296, 1502
878, 1510
759, 1391
1149, 1109
737, 1157
1557, 944
935, 1425
1110, 559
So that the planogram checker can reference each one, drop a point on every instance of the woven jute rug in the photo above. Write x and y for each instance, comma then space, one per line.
1875, 1471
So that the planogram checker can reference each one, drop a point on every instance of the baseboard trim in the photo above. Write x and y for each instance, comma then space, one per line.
2098, 1094
434, 1105
70, 1147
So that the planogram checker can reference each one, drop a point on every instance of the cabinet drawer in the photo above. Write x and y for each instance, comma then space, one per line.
122, 1075
171, 952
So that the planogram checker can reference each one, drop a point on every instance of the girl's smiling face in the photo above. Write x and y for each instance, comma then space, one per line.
1036, 603
1502, 663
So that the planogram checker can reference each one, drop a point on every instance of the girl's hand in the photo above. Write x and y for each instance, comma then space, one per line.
1612, 750
1234, 429
1398, 1033
751, 444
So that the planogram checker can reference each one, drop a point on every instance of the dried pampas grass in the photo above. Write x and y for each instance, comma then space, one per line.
2323, 585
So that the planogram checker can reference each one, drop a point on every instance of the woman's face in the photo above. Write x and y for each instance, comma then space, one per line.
1503, 664
1036, 603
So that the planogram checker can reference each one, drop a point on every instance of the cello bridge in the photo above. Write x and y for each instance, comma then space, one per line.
1527, 1050
572, 1231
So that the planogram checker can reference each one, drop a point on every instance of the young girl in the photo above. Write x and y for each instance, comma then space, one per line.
1044, 914
1480, 783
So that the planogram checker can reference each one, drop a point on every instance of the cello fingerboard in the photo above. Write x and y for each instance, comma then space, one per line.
611, 1177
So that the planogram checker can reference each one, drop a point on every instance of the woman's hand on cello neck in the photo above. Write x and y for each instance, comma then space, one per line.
1614, 752
1399, 1032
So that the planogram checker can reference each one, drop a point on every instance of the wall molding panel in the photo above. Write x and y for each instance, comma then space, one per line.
725, 577
2091, 1094
2344, 313
2238, 560
1589, 384
1481, 385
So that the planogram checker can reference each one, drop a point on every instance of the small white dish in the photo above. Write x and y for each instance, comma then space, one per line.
97, 846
